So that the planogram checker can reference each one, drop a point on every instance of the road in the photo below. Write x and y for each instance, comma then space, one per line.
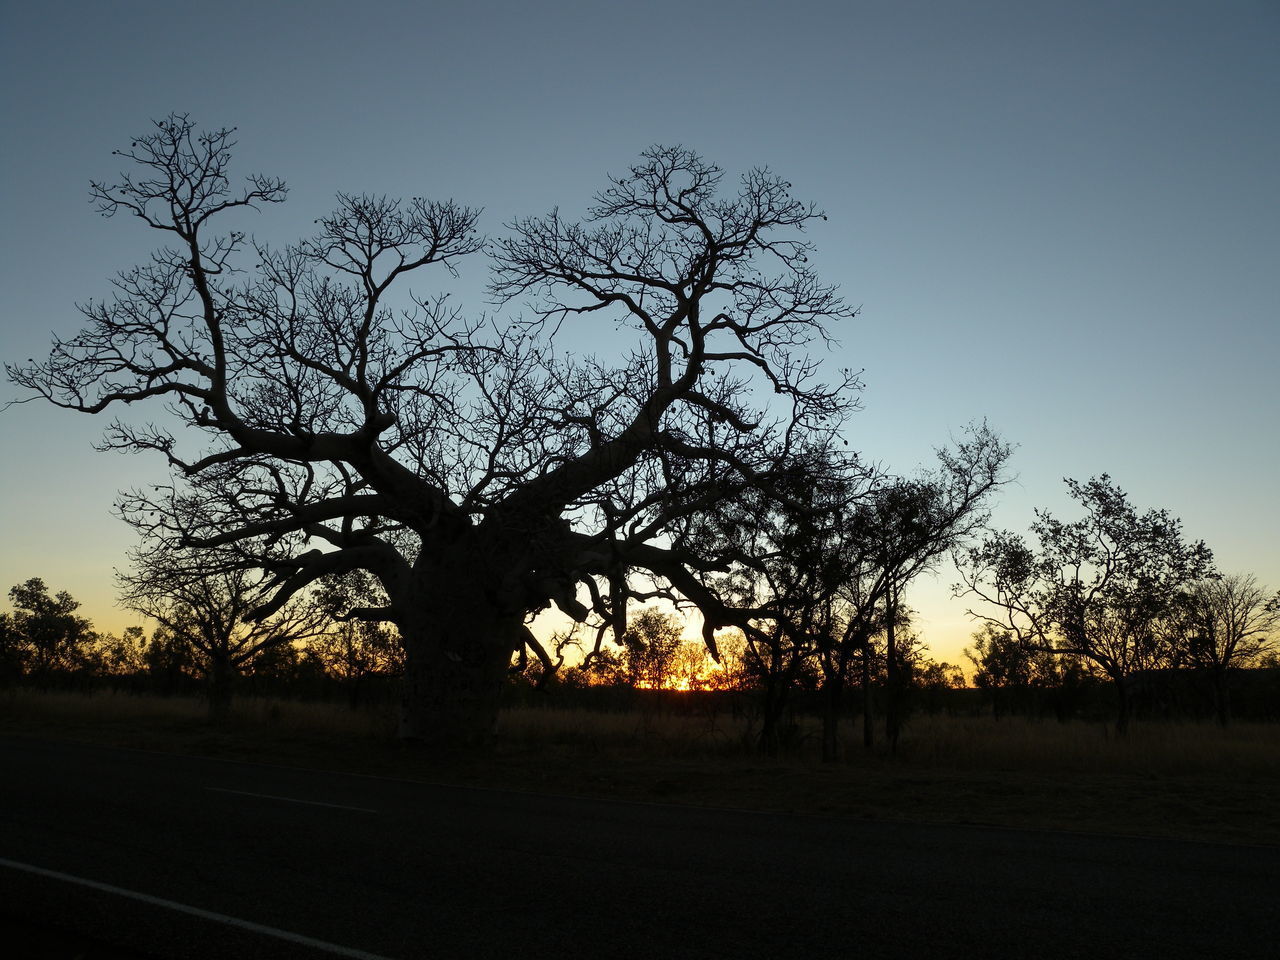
172, 856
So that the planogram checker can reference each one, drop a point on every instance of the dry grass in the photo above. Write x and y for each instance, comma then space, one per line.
1192, 781
941, 742
1150, 749
667, 735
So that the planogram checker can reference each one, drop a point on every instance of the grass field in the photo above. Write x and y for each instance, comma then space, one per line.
1193, 781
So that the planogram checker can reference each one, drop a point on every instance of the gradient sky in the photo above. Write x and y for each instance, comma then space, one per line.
1062, 217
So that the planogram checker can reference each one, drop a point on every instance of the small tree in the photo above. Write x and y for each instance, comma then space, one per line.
1228, 622
903, 528
351, 649
1008, 671
171, 662
11, 652
122, 656
651, 648
831, 549
209, 605
787, 570
933, 680
43, 638
1099, 588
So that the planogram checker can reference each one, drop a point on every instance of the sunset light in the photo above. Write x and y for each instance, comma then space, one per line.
671, 480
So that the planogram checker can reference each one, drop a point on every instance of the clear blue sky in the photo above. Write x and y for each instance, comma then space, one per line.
1062, 217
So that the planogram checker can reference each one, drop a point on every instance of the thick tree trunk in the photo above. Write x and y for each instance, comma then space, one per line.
868, 713
774, 707
220, 678
831, 718
777, 724
1124, 706
1221, 699
456, 659
892, 720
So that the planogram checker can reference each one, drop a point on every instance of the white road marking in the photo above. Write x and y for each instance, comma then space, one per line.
310, 803
314, 944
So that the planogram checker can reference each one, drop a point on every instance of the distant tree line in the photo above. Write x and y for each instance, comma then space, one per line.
45, 644
203, 644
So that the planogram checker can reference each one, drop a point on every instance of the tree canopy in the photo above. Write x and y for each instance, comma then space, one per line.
43, 635
475, 465
1100, 587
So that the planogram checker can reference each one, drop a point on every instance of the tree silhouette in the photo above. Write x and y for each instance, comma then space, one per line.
208, 612
1008, 671
170, 662
352, 650
1099, 588
477, 471
651, 647
43, 637
823, 565
789, 571
1227, 622
121, 656
902, 528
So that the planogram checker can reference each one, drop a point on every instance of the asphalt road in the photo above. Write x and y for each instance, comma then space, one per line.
169, 856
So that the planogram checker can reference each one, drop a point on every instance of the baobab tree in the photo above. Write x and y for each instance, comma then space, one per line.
472, 465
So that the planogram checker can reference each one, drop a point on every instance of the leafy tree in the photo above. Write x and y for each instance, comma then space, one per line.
1228, 622
1008, 671
1099, 588
650, 655
352, 650
693, 669
651, 648
11, 653
43, 637
170, 661
476, 471
209, 614
930, 674
931, 680
600, 667
122, 656
788, 572
823, 566
897, 532
278, 664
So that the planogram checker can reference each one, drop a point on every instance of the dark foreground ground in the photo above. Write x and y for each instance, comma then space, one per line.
115, 853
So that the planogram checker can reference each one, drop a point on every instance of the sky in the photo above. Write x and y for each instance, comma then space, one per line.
1060, 217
